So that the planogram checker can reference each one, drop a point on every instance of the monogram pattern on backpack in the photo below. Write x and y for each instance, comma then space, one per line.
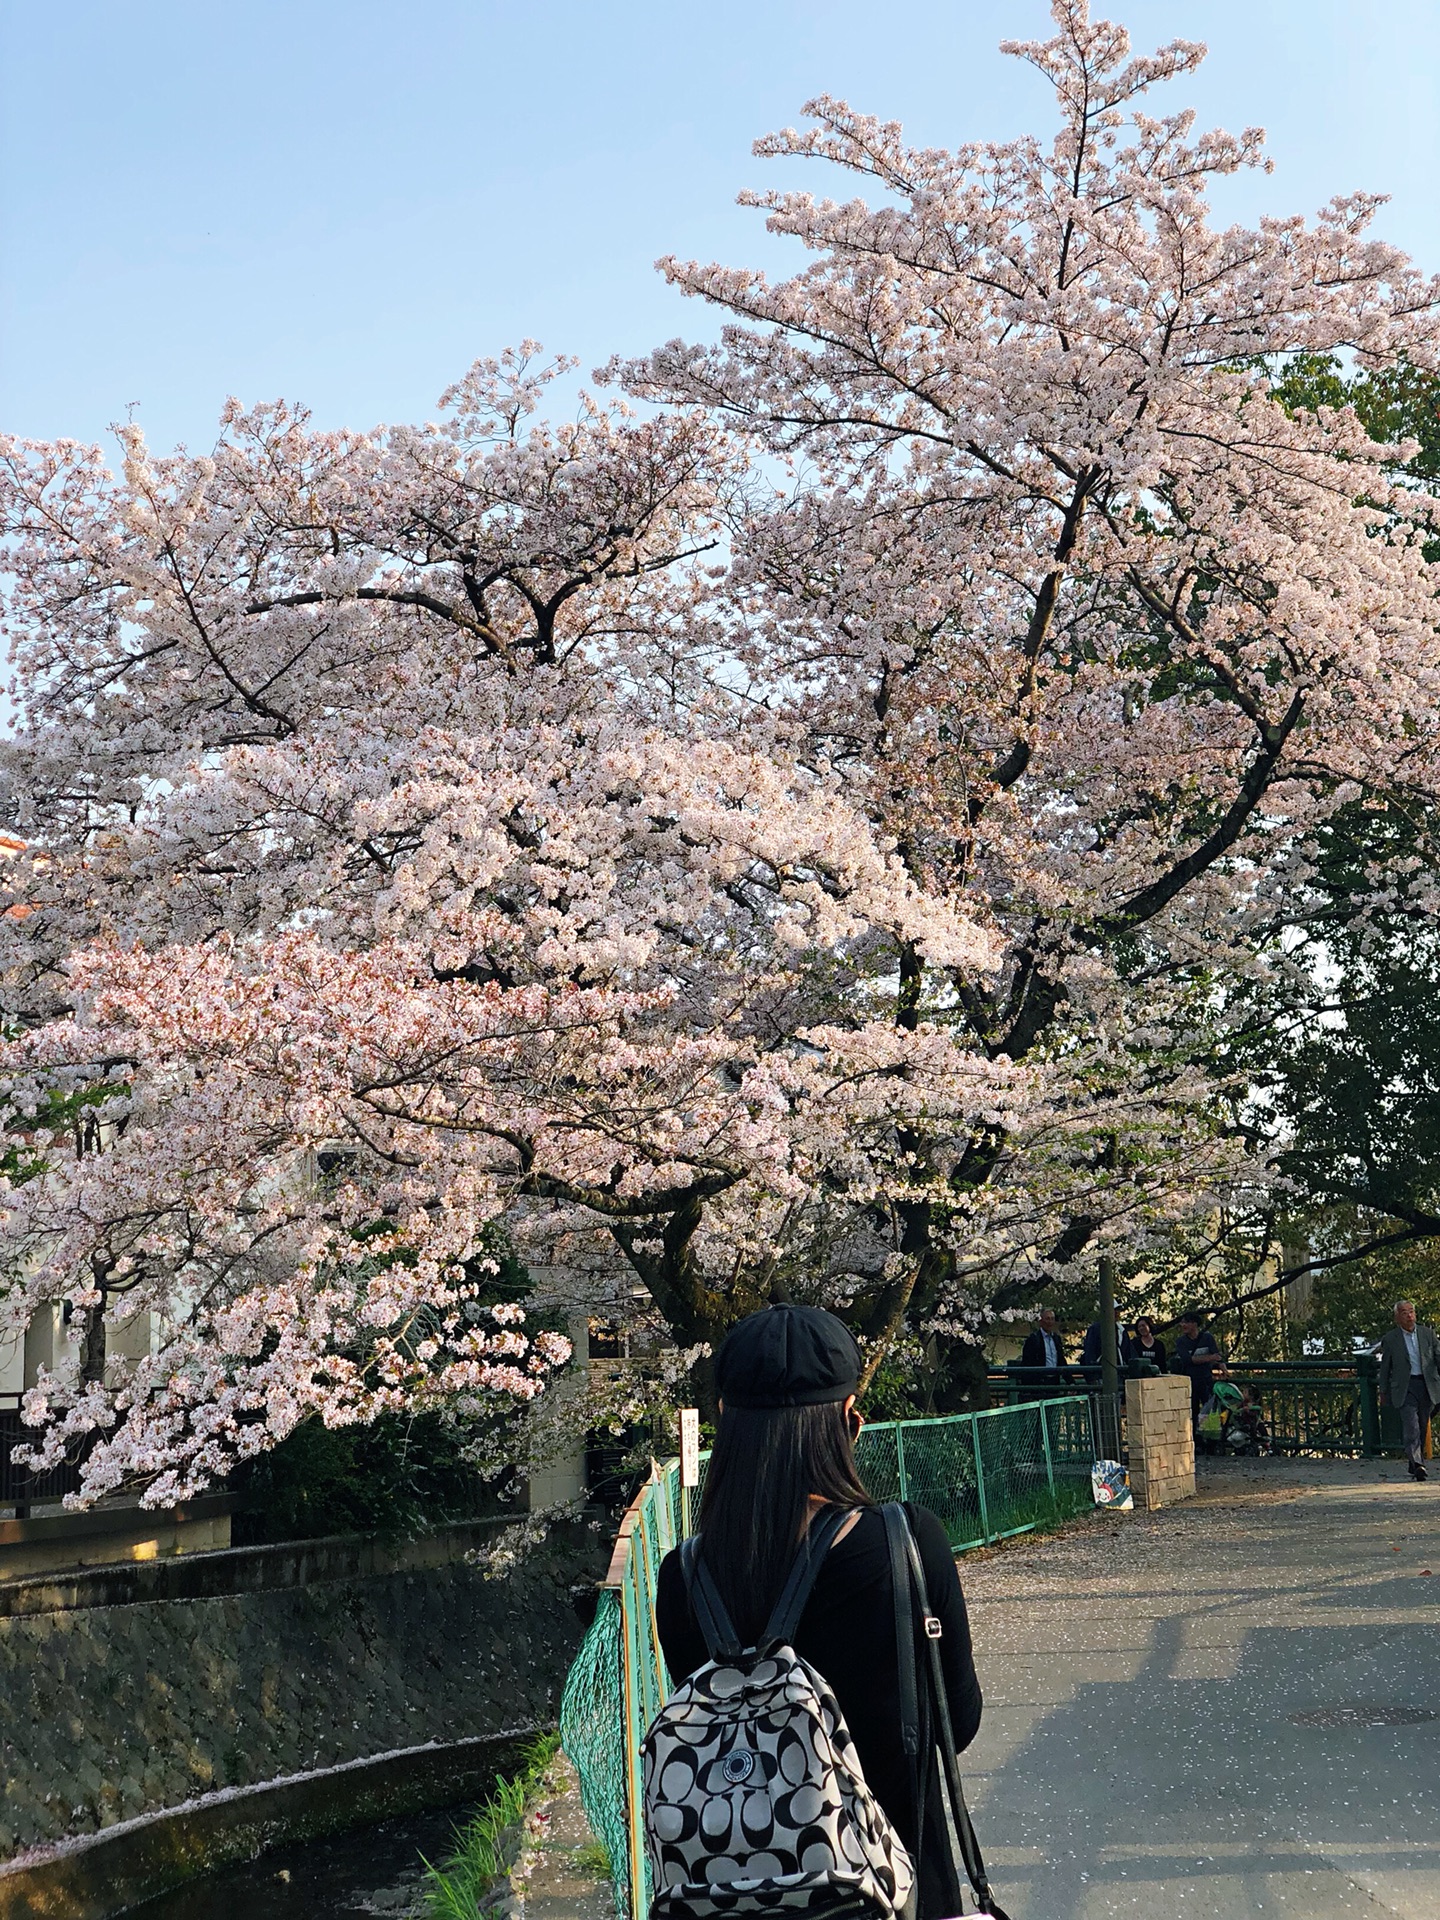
755, 1801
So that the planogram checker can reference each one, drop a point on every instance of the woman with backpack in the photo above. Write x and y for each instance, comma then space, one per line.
784, 1522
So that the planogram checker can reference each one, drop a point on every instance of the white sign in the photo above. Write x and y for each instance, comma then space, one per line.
689, 1446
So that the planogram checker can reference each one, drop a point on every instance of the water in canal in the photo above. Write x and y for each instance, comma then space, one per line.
375, 1870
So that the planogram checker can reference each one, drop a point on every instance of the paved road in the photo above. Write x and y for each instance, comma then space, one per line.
1228, 1708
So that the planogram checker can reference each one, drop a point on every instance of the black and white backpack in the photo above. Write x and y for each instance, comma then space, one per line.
755, 1800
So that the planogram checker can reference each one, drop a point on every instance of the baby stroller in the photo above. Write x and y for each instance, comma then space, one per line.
1244, 1431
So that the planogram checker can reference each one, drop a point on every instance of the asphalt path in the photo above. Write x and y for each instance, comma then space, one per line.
1228, 1708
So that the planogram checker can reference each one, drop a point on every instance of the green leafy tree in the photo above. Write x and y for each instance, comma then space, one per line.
396, 1476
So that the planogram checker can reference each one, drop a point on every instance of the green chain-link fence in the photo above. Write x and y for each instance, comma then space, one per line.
987, 1475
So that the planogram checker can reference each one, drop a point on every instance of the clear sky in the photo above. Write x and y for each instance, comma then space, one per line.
346, 201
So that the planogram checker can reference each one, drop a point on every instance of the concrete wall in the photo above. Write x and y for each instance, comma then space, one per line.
1162, 1440
12, 1362
49, 1541
286, 1563
47, 1340
109, 1711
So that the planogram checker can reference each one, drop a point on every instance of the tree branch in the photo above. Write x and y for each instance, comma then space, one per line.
1290, 1274
1144, 905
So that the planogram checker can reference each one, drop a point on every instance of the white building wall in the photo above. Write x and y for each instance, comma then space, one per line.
12, 1362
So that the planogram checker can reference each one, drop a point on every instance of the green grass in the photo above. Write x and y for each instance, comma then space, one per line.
454, 1891
1037, 1511
1031, 1516
593, 1860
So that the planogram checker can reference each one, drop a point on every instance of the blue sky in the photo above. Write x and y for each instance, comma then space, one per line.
346, 204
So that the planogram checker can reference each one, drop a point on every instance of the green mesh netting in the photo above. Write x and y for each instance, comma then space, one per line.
987, 1475
592, 1732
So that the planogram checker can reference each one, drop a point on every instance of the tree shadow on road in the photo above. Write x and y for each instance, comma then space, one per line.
1193, 1786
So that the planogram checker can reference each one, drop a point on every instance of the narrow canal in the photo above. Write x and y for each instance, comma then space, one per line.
375, 1870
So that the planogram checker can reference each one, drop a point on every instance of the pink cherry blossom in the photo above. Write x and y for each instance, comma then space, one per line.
802, 831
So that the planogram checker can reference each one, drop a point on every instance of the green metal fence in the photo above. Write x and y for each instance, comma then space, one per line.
987, 1476
617, 1685
1309, 1412
1324, 1405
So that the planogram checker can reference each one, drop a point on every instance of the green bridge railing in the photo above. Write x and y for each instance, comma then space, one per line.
1323, 1405
986, 1475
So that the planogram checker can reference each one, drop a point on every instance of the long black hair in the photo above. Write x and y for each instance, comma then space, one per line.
765, 1464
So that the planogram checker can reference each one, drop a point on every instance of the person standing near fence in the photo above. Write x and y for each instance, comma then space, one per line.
1044, 1348
1147, 1344
786, 1379
1197, 1352
1091, 1353
1410, 1380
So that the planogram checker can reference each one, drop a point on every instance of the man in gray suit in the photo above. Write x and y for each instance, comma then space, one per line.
1410, 1379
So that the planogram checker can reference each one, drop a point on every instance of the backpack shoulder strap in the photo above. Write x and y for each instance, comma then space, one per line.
897, 1539
716, 1628
722, 1642
905, 1551
819, 1538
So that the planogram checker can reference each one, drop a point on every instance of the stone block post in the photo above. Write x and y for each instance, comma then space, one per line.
1162, 1440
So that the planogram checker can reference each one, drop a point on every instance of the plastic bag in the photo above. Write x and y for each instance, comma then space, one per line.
1110, 1484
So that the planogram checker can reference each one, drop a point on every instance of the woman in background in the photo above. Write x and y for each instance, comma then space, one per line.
1145, 1346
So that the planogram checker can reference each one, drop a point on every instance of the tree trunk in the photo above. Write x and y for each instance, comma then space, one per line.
92, 1352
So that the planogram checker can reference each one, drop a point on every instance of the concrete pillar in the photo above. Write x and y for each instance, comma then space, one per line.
132, 1336
556, 1472
12, 1362
44, 1340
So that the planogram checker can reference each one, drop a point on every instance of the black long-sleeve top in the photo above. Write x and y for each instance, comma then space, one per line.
847, 1632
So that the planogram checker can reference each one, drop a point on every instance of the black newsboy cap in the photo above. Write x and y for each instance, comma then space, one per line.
787, 1357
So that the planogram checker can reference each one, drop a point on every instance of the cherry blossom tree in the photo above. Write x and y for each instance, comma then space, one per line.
841, 884
387, 823
1101, 633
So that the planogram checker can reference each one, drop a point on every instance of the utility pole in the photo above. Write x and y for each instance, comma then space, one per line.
1109, 1343
1109, 1346
1109, 1356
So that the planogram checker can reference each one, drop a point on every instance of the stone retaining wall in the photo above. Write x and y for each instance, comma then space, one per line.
109, 1711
